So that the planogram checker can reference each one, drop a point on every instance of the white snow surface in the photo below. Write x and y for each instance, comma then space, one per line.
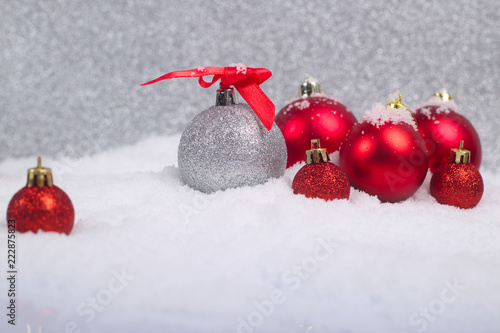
153, 255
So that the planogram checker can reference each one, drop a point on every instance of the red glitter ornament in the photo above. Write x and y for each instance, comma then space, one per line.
313, 115
457, 183
442, 127
384, 155
320, 178
41, 205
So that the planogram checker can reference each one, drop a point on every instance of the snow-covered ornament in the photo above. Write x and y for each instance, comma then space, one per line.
320, 178
313, 115
384, 155
442, 127
41, 205
231, 145
457, 183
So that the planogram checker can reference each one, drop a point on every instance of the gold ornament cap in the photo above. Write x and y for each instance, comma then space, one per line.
460, 155
316, 154
309, 87
40, 176
397, 103
443, 95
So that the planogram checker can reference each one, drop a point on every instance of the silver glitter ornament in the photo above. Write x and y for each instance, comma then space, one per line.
226, 146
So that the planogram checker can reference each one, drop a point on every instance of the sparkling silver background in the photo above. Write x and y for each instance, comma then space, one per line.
70, 70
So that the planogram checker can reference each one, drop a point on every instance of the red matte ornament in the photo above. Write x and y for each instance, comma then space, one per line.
320, 178
40, 205
383, 156
246, 80
457, 183
442, 128
313, 115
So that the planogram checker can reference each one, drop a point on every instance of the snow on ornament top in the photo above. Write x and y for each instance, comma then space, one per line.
442, 100
301, 103
394, 112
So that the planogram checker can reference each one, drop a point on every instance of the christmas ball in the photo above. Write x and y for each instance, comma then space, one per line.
320, 178
40, 205
313, 115
442, 127
384, 155
227, 147
231, 145
458, 182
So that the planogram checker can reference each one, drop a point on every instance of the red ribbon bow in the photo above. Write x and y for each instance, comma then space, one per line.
246, 80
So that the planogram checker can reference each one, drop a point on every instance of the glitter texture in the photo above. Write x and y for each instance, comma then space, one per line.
459, 185
227, 147
41, 208
70, 70
322, 180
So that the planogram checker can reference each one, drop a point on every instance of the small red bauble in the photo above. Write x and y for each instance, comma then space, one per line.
41, 205
384, 155
442, 127
320, 178
457, 183
313, 116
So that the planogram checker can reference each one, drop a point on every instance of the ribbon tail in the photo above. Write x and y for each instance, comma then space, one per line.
171, 75
261, 104
198, 72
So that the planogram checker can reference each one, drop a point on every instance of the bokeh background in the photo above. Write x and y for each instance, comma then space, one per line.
70, 70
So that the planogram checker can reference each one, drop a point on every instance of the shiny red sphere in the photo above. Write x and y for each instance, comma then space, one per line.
443, 131
390, 161
459, 185
313, 117
322, 180
41, 208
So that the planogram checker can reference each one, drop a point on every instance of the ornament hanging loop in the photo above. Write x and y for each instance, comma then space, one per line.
42, 176
245, 80
316, 154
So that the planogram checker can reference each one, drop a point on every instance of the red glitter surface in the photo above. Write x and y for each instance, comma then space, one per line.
459, 185
322, 180
41, 208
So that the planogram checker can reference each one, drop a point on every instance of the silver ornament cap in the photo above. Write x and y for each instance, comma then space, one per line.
309, 87
226, 96
227, 146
